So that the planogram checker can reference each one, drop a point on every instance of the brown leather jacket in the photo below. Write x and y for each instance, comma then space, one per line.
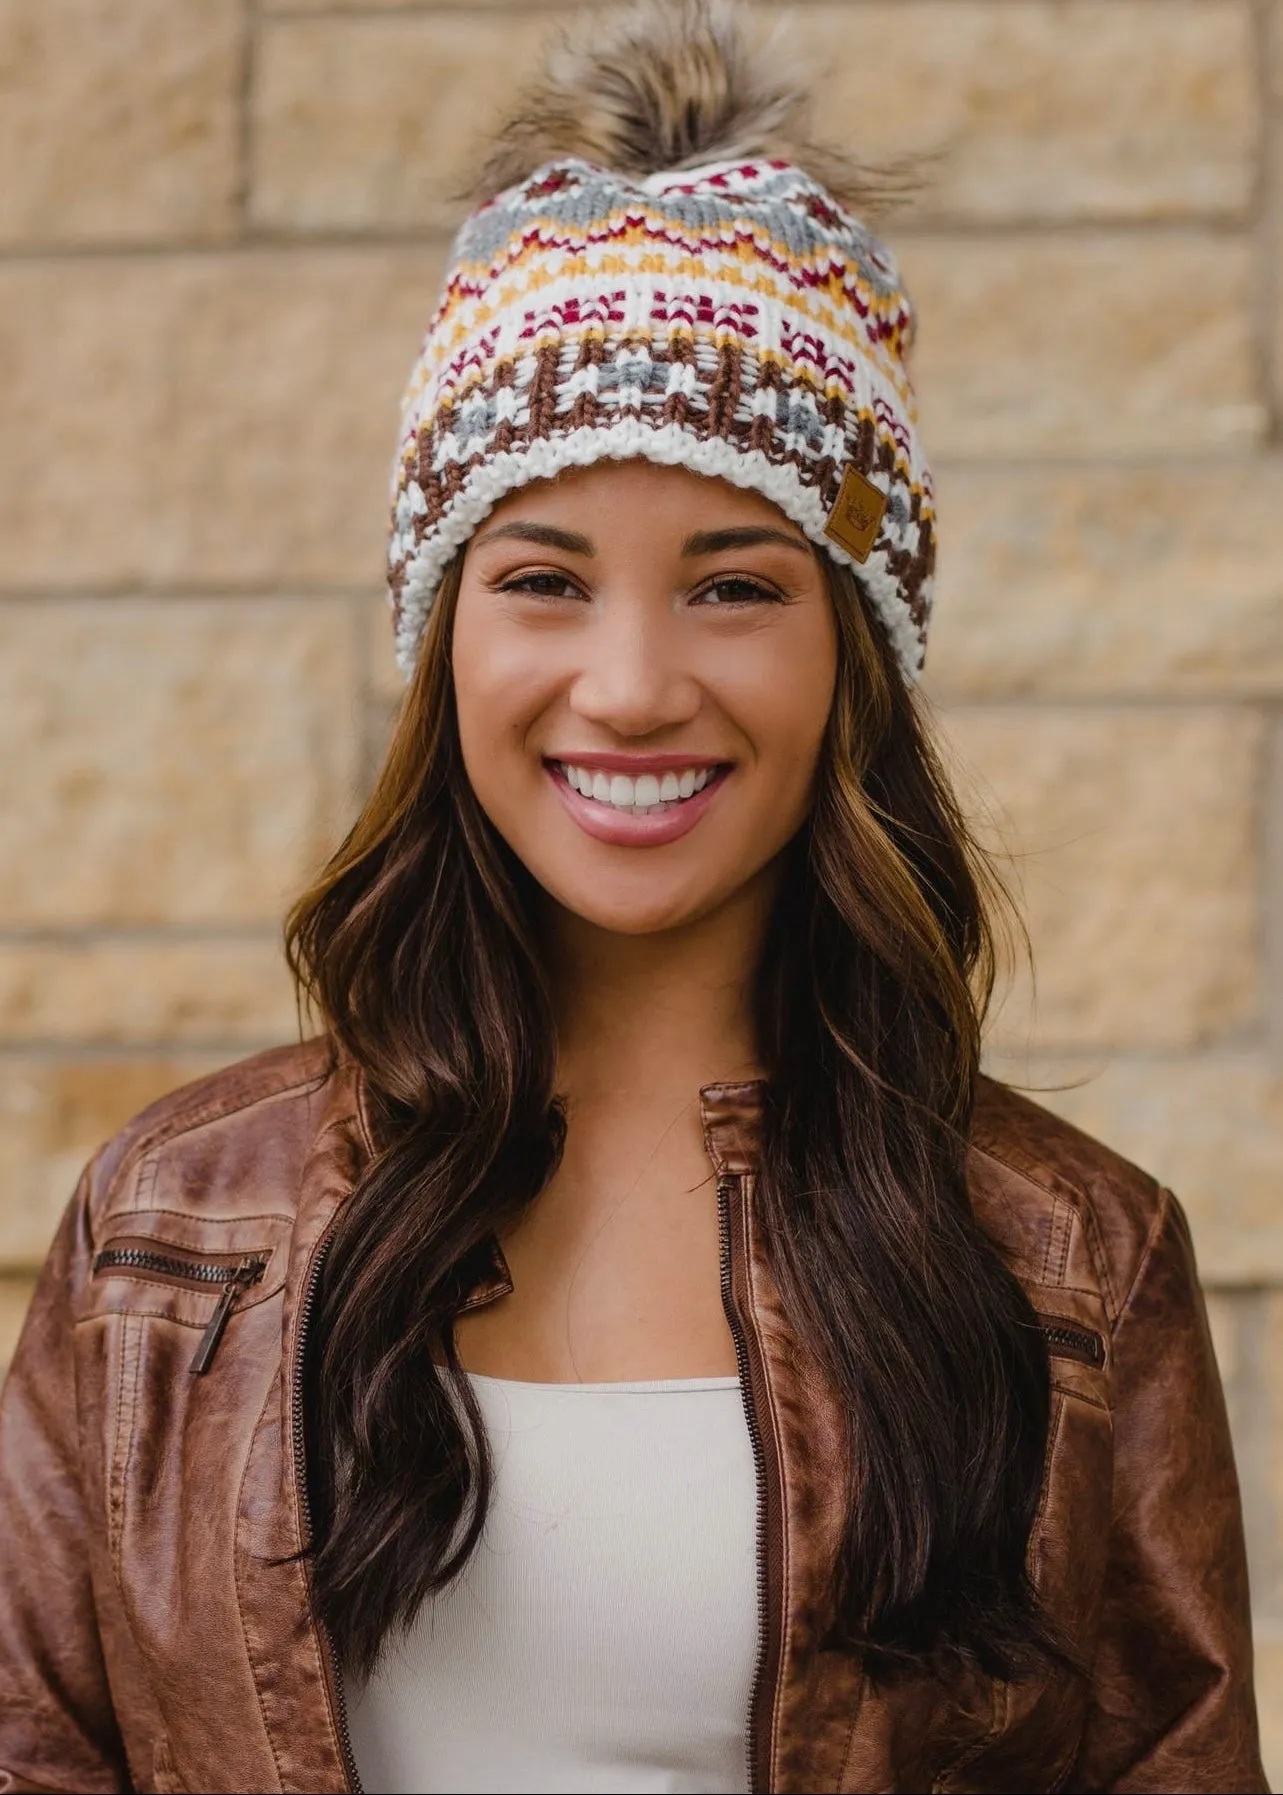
154, 1624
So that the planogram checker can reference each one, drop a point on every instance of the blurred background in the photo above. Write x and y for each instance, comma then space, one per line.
221, 232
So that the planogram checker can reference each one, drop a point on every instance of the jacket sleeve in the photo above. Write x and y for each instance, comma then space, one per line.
1171, 1705
57, 1726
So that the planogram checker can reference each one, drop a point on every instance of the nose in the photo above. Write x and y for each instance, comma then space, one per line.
633, 679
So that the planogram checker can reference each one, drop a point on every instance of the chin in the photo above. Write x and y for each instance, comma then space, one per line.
632, 917
629, 910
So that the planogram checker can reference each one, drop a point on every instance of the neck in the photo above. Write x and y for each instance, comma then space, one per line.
661, 1013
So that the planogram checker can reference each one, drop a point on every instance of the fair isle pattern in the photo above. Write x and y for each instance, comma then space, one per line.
731, 319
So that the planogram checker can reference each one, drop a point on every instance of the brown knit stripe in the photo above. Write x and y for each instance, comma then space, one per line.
505, 375
770, 376
724, 393
583, 413
543, 390
426, 442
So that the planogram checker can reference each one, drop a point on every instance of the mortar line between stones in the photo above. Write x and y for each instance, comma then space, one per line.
1253, 1449
522, 8
244, 110
1080, 1064
256, 244
269, 591
1094, 1062
1142, 461
159, 934
367, 698
1022, 705
1272, 890
108, 1049
100, 1051
436, 237
1269, 229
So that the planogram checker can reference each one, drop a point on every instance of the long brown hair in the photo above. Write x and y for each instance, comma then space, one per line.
418, 949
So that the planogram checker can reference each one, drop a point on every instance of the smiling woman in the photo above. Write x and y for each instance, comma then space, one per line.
634, 1348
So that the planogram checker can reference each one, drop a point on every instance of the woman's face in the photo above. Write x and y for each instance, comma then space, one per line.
644, 661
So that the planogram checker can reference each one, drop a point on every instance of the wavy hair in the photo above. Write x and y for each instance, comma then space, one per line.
419, 948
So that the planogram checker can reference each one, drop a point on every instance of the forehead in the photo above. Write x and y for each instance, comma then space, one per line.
610, 492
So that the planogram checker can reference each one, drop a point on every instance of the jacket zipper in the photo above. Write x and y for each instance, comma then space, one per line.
332, 1678
234, 1279
752, 1385
1067, 1341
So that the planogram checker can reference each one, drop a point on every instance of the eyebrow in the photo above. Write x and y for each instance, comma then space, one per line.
546, 535
716, 542
702, 542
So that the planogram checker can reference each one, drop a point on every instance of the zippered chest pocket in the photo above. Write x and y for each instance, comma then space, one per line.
232, 1277
199, 1273
1068, 1339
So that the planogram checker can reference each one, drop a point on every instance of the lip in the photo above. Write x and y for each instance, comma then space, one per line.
635, 764
619, 829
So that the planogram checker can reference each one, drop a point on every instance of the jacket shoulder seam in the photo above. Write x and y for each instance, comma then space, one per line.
1078, 1194
1156, 1228
142, 1152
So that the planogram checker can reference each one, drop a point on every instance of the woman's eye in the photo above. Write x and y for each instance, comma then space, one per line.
737, 590
542, 585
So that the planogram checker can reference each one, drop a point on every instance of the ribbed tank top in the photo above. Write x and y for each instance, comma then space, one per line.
603, 1636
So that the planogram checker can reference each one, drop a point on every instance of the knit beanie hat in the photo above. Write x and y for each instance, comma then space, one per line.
654, 273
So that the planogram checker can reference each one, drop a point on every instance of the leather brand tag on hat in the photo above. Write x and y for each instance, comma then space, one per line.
857, 515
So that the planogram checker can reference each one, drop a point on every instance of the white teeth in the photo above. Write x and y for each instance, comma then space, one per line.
645, 796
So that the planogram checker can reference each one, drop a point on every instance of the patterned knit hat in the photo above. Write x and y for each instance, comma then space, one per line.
712, 306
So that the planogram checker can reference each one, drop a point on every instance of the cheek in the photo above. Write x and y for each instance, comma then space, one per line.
782, 699
500, 688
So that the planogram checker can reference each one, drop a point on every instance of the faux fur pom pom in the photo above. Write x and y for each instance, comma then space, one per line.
669, 84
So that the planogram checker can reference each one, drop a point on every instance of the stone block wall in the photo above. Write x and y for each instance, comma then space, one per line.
221, 229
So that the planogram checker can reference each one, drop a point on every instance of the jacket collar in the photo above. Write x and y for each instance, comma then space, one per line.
730, 1119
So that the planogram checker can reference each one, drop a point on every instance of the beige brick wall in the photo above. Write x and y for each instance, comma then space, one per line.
220, 233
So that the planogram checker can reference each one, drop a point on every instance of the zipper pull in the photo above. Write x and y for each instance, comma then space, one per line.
248, 1272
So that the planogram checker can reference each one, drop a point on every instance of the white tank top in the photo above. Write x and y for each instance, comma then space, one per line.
603, 1635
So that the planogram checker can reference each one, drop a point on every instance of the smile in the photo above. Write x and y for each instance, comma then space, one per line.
647, 795
639, 809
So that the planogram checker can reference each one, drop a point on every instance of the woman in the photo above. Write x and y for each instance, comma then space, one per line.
634, 1348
